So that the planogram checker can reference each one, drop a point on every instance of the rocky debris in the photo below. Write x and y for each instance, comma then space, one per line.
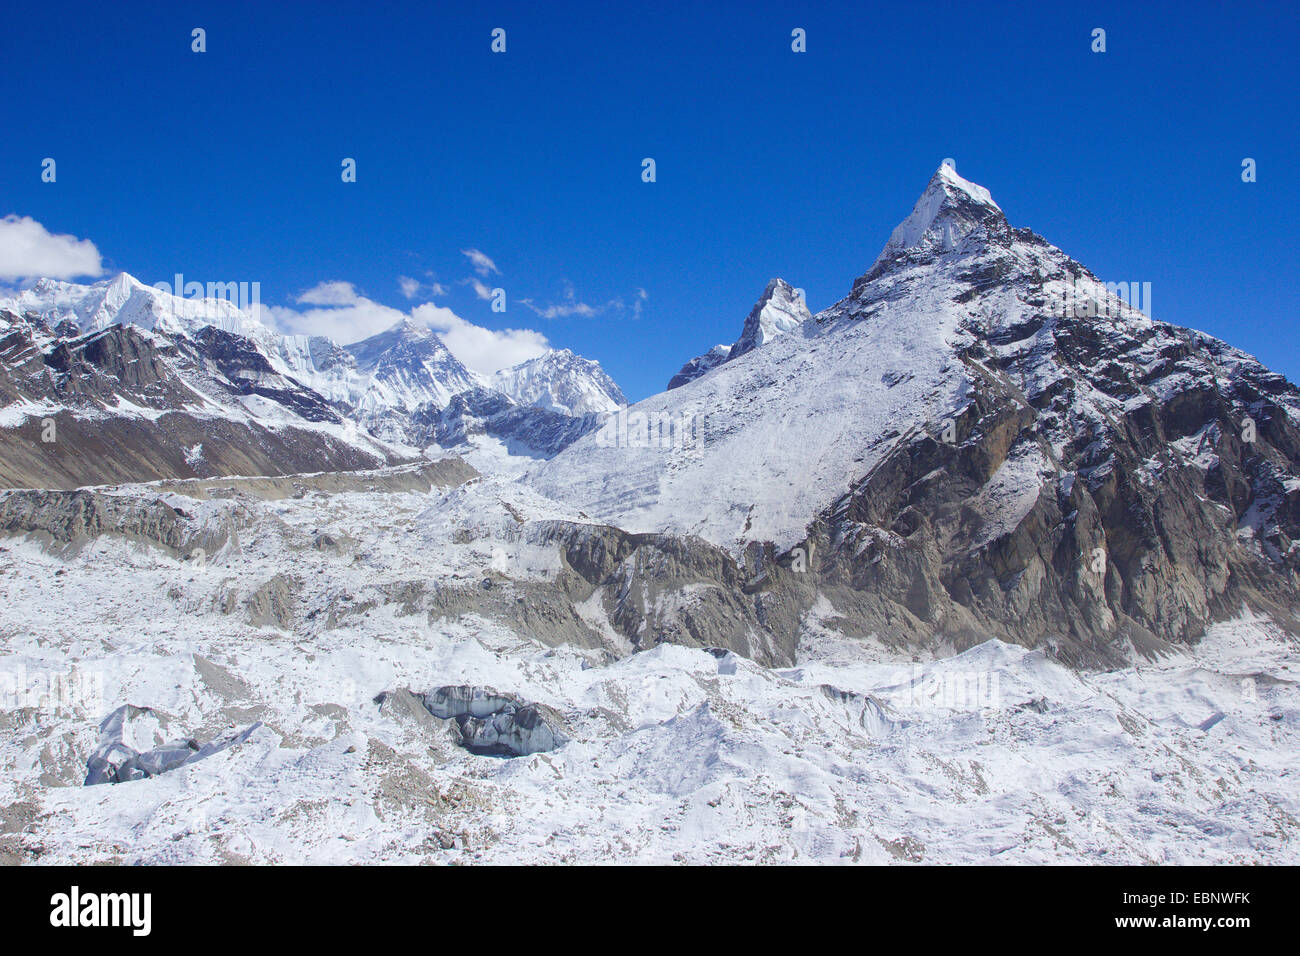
68, 519
117, 759
657, 588
272, 604
105, 450
220, 680
482, 720
416, 477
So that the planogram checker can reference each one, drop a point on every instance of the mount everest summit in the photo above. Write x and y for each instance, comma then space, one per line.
714, 624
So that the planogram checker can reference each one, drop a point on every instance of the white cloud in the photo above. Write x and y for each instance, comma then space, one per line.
482, 264
28, 249
343, 324
414, 287
346, 316
480, 290
480, 349
335, 292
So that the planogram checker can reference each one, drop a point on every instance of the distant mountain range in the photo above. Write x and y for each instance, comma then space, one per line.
183, 387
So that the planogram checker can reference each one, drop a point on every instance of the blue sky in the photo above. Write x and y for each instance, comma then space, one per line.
226, 165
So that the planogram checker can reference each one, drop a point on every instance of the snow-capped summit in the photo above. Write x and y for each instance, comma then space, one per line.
402, 338
399, 371
779, 310
125, 300
950, 209
562, 382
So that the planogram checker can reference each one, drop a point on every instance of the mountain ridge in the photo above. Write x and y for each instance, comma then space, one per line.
966, 460
381, 396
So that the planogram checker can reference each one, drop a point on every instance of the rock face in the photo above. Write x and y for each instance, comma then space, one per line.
122, 404
528, 429
148, 385
699, 365
779, 310
70, 519
1093, 488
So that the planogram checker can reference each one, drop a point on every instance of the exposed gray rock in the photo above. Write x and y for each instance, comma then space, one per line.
483, 411
67, 519
699, 365
89, 376
272, 605
779, 310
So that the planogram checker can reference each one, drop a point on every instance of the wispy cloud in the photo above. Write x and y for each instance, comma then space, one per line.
480, 290
413, 288
570, 305
28, 249
482, 264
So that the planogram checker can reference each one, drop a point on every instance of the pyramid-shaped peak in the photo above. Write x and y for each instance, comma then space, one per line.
947, 179
778, 289
780, 309
949, 210
396, 340
406, 327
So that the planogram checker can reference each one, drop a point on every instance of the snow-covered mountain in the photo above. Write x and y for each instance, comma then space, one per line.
780, 309
981, 438
561, 382
122, 402
383, 396
400, 371
125, 300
